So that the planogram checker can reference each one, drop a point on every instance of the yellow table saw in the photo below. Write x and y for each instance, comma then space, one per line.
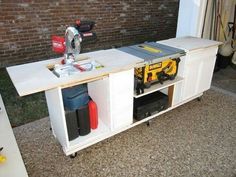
160, 63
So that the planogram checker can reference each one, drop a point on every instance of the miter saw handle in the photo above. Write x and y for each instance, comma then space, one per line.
88, 36
84, 26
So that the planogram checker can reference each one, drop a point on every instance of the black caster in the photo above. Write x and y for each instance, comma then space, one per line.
72, 156
148, 123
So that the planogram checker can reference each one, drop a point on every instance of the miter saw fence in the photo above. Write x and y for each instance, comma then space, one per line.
74, 35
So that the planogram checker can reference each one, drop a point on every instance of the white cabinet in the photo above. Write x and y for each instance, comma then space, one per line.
198, 71
196, 67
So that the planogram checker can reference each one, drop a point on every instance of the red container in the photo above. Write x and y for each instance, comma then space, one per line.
93, 114
58, 44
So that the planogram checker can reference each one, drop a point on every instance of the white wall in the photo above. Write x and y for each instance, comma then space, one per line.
190, 18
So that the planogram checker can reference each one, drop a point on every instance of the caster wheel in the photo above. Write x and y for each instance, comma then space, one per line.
50, 128
72, 156
148, 123
199, 99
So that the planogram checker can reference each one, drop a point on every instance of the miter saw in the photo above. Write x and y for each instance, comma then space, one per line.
70, 46
74, 36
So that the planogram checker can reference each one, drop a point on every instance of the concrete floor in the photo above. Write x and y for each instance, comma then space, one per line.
196, 139
225, 79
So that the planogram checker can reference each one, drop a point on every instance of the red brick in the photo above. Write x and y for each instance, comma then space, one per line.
26, 26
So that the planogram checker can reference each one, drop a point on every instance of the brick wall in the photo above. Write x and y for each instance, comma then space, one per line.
26, 26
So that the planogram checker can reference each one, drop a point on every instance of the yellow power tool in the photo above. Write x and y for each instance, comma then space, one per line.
157, 72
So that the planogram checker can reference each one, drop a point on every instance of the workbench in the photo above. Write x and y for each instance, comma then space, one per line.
112, 87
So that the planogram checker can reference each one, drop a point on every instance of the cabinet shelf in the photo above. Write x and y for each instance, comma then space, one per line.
137, 122
158, 86
95, 135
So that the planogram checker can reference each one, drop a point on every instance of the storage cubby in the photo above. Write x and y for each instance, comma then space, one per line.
97, 90
112, 94
164, 92
57, 114
150, 104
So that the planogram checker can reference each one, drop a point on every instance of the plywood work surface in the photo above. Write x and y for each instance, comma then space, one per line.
190, 43
35, 77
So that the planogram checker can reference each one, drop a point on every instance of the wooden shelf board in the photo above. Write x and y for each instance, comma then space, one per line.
91, 138
156, 87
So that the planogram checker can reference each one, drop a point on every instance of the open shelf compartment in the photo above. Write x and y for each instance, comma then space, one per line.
158, 86
95, 135
155, 100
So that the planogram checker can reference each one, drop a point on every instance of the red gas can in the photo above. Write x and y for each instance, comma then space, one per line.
93, 114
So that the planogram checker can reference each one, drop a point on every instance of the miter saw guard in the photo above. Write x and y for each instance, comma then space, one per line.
73, 44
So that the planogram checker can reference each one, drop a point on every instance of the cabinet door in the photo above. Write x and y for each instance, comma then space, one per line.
198, 71
206, 73
191, 75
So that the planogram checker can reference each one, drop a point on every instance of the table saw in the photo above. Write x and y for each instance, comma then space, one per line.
160, 63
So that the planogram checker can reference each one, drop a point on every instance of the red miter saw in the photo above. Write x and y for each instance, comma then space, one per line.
70, 45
